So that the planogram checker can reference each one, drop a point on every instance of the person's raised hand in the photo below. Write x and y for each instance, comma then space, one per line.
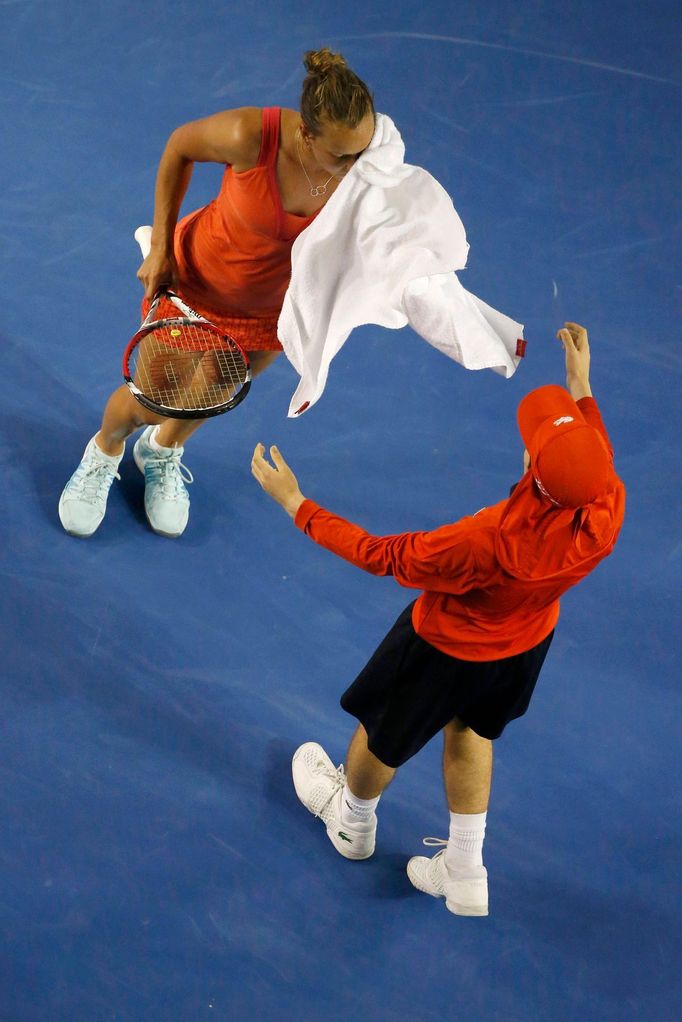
278, 481
577, 352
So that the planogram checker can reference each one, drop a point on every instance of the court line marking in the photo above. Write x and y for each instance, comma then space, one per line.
463, 41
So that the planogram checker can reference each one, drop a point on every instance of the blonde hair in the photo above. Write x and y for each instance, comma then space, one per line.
331, 91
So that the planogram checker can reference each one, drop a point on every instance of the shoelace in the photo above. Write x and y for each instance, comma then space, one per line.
434, 842
339, 778
95, 481
169, 473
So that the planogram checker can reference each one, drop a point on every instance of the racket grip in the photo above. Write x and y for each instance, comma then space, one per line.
143, 236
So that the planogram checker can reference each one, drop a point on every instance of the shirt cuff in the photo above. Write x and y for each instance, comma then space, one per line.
305, 512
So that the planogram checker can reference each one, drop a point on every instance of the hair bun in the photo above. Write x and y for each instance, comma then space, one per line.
321, 62
332, 92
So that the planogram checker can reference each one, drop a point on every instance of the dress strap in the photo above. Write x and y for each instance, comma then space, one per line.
269, 144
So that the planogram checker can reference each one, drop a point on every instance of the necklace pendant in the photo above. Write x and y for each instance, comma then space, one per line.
318, 190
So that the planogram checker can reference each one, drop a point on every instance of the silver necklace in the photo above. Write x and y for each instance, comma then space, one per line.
315, 190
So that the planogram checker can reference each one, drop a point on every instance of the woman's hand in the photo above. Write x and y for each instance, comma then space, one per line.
158, 269
279, 482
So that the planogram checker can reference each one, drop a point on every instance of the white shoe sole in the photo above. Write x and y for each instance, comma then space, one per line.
160, 532
466, 910
458, 908
70, 532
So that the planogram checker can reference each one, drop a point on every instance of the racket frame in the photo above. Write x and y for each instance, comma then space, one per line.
189, 316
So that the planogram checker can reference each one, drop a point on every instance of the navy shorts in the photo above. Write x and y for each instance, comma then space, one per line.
409, 691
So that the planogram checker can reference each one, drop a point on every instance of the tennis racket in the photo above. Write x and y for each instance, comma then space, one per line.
183, 366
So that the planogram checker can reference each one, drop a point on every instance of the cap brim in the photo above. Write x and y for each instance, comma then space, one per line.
549, 402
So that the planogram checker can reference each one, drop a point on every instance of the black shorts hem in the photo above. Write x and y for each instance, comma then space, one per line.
409, 690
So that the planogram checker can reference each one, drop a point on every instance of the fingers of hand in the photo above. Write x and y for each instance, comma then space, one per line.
258, 463
280, 464
578, 333
276, 456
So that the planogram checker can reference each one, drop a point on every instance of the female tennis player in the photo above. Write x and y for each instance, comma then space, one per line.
230, 261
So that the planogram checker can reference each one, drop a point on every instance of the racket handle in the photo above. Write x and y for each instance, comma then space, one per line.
143, 236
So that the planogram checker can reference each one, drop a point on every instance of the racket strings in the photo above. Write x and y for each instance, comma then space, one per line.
187, 366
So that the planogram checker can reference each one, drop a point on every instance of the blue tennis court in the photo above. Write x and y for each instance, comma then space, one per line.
156, 864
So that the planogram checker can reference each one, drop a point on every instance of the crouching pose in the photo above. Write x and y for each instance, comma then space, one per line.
465, 656
230, 260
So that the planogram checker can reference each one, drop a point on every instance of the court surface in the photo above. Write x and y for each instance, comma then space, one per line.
155, 863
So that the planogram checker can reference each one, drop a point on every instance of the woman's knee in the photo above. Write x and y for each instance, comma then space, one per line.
260, 360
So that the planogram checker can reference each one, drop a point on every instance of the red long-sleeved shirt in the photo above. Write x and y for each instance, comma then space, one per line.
475, 605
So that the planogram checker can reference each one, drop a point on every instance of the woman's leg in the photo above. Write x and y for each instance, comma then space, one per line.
122, 416
260, 360
174, 432
82, 505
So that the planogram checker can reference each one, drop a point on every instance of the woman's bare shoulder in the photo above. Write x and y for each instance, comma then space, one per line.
229, 136
241, 130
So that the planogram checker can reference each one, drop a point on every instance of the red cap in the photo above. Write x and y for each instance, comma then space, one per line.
568, 457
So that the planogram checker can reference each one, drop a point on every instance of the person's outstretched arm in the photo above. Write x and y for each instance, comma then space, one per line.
278, 481
442, 559
577, 350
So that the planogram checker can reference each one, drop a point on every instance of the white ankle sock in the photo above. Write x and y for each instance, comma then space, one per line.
464, 851
115, 459
156, 446
357, 810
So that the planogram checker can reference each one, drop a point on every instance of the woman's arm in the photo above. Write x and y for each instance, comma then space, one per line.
232, 136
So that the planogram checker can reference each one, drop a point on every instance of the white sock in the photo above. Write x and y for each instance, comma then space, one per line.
115, 459
156, 446
357, 810
464, 851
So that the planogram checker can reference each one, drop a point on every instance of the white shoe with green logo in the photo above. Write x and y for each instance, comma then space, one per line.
464, 896
319, 786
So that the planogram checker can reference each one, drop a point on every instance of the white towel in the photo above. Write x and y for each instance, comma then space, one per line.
384, 250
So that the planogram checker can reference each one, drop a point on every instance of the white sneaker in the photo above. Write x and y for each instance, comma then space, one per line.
463, 896
166, 500
319, 786
83, 502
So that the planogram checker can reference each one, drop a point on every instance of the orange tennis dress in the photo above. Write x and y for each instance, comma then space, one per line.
234, 255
